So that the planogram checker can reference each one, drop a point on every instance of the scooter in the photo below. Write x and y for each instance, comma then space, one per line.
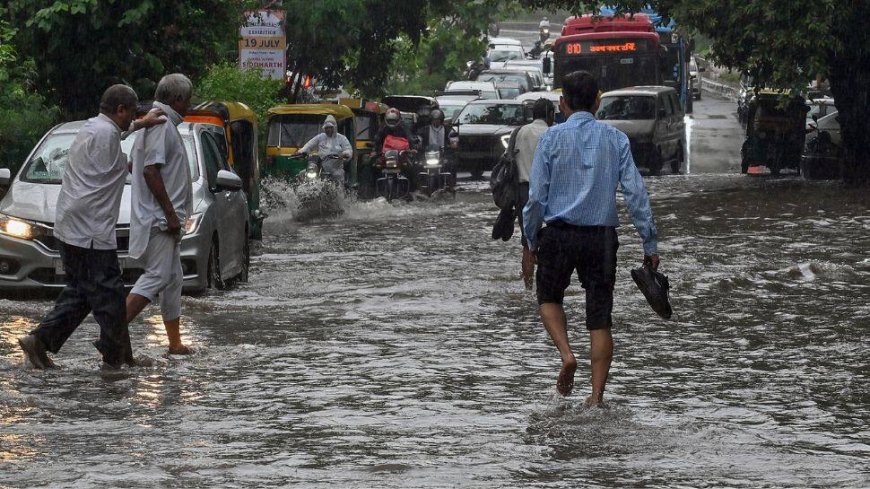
318, 193
434, 181
393, 184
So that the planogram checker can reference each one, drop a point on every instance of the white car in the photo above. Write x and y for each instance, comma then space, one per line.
501, 50
487, 90
214, 249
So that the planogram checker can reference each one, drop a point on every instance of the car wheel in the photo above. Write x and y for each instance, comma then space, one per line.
214, 268
477, 174
655, 163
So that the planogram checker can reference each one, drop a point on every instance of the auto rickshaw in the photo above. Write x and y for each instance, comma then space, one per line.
775, 132
241, 150
368, 118
293, 125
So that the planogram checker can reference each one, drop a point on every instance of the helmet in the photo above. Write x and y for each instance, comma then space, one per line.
392, 117
436, 114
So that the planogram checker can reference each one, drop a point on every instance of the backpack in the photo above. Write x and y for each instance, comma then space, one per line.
504, 180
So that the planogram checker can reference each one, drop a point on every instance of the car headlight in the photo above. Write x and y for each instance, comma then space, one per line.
311, 174
18, 228
506, 140
192, 224
433, 158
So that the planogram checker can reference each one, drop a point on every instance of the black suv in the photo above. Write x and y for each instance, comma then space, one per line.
483, 128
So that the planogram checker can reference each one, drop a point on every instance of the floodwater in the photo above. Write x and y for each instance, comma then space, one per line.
396, 347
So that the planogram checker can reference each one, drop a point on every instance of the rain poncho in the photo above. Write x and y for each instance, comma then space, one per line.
335, 145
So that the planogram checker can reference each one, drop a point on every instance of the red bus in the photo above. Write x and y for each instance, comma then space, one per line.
619, 51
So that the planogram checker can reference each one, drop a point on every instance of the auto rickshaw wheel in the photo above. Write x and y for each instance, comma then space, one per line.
744, 159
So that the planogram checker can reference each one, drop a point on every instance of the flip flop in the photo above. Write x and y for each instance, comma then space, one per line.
655, 287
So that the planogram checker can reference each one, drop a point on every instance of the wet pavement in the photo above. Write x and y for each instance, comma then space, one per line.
395, 346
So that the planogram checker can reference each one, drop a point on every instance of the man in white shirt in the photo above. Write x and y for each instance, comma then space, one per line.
330, 142
86, 216
162, 200
544, 113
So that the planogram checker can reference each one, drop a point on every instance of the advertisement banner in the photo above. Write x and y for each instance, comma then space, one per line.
262, 43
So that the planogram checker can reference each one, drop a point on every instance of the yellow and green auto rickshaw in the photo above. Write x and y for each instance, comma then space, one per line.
775, 131
293, 125
368, 118
242, 151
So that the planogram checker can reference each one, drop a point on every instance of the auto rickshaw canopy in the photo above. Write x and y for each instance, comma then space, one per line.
338, 111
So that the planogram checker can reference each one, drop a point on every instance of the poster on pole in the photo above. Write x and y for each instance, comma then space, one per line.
262, 43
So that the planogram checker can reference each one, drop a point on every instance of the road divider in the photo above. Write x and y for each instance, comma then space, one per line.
722, 89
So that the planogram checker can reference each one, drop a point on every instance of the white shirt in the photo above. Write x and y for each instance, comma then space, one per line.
92, 186
337, 144
436, 136
159, 145
527, 143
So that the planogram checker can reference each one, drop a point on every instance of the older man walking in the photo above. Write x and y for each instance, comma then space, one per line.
578, 167
162, 200
87, 213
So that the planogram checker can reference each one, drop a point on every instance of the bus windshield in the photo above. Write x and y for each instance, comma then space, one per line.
613, 71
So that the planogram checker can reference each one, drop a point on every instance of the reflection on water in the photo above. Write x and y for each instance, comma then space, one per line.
395, 346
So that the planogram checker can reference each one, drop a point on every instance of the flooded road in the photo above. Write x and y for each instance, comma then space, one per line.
396, 347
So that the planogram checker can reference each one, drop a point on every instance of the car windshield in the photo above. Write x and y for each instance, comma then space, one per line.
49, 161
450, 110
502, 55
627, 108
508, 92
500, 114
519, 78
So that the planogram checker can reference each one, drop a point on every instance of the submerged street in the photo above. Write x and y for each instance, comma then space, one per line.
395, 346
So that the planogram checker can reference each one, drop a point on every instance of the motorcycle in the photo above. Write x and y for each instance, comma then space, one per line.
393, 184
434, 181
318, 192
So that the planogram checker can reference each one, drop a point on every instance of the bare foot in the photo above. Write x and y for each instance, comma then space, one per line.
594, 401
565, 382
179, 350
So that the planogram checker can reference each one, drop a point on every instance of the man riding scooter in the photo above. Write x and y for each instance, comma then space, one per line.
436, 136
394, 135
330, 142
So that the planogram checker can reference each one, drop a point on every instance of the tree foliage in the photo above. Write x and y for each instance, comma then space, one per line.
83, 46
24, 114
785, 44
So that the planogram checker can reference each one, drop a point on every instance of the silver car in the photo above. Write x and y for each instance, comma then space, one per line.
214, 250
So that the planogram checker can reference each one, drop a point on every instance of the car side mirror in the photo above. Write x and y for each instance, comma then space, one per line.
5, 177
227, 180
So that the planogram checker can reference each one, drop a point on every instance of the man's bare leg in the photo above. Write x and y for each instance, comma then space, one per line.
528, 267
601, 355
173, 332
135, 305
553, 316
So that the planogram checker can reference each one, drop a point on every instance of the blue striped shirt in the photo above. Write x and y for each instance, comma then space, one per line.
577, 169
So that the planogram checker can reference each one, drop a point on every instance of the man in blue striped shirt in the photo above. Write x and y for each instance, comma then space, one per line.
577, 169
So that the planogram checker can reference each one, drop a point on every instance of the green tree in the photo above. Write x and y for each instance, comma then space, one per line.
24, 115
83, 46
785, 44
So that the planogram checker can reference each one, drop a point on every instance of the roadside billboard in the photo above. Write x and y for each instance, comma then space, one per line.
262, 43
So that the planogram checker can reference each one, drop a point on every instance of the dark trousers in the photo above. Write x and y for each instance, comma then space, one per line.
93, 285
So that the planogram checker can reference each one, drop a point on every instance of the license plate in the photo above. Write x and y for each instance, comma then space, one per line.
58, 267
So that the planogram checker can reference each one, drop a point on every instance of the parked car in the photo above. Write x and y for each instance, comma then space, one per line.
652, 118
483, 128
823, 153
214, 250
486, 90
497, 76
